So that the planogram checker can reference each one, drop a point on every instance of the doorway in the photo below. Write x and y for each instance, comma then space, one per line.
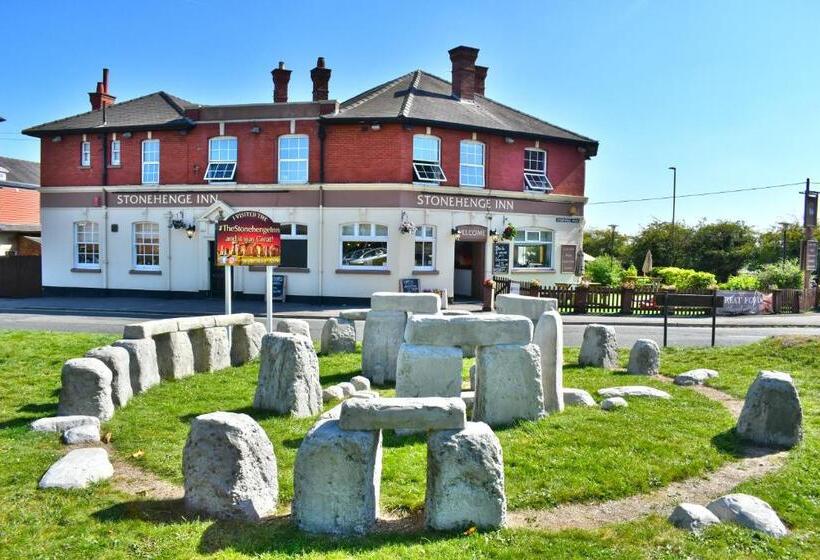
468, 270
217, 274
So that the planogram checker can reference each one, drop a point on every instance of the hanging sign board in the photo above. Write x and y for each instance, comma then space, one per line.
410, 285
248, 238
568, 258
278, 282
471, 232
810, 209
501, 258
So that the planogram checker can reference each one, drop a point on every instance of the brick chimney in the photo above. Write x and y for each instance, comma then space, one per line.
463, 59
281, 77
321, 78
101, 98
480, 77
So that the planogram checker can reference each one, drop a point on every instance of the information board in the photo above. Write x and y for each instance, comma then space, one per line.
568, 258
409, 285
279, 281
248, 238
501, 258
810, 255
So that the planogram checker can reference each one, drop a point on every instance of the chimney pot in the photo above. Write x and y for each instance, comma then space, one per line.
101, 98
281, 77
321, 79
463, 60
105, 80
480, 77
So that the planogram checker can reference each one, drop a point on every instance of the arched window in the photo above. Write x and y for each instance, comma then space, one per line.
425, 249
145, 246
363, 246
293, 158
294, 246
427, 159
87, 245
532, 248
150, 162
471, 173
535, 170
221, 159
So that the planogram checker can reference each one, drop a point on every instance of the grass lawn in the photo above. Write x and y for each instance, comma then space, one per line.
581, 455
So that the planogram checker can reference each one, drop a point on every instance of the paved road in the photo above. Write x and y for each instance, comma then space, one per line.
627, 334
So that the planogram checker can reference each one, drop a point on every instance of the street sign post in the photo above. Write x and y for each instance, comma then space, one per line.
667, 300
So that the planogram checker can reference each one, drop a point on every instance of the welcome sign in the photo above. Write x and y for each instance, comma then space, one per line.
248, 238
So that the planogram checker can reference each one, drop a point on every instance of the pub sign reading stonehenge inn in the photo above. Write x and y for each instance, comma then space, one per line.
248, 238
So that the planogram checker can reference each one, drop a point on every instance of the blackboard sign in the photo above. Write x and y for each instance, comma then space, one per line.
501, 258
568, 258
409, 285
279, 281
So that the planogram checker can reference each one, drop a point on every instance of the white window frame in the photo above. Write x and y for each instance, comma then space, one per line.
89, 237
419, 162
134, 246
116, 153
528, 183
526, 232
423, 237
462, 165
364, 237
221, 159
148, 165
85, 154
291, 235
281, 160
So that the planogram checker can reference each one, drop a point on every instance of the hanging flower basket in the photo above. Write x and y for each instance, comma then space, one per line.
509, 232
407, 227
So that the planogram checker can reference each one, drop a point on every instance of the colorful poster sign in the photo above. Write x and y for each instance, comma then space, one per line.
248, 238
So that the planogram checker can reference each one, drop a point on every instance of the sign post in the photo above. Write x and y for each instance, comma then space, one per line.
249, 238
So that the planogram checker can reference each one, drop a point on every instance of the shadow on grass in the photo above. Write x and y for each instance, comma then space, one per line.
165, 512
333, 378
729, 442
16, 422
49, 408
255, 413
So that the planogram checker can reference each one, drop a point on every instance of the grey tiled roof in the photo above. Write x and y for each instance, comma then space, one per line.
21, 173
155, 110
423, 97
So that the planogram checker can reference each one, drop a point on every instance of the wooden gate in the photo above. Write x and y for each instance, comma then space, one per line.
20, 277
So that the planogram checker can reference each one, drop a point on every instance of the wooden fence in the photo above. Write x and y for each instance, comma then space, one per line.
20, 276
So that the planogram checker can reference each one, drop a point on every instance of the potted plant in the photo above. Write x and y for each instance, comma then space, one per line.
489, 294
509, 232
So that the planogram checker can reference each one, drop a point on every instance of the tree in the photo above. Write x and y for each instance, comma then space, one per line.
669, 245
770, 245
721, 248
599, 242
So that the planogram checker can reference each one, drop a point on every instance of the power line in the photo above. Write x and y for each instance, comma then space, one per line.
693, 195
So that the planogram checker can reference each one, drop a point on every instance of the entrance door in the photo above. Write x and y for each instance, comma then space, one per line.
468, 269
217, 273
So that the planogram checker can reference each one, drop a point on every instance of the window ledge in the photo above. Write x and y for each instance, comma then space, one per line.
91, 270
148, 272
534, 269
112, 166
365, 271
424, 272
85, 167
296, 269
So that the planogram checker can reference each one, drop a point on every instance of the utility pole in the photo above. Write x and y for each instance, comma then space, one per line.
612, 240
674, 199
785, 226
810, 203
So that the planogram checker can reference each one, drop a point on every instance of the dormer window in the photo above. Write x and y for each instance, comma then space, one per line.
535, 170
427, 159
221, 160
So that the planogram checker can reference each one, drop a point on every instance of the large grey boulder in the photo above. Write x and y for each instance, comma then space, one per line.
750, 512
86, 389
432, 413
336, 479
246, 342
694, 377
692, 517
426, 303
288, 376
465, 479
472, 330
212, 350
175, 355
338, 335
428, 371
293, 326
772, 414
634, 391
549, 337
229, 468
82, 434
530, 307
508, 384
644, 358
612, 403
118, 361
599, 347
61, 424
78, 469
578, 397
383, 336
142, 363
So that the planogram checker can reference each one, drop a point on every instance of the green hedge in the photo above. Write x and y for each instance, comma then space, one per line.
685, 279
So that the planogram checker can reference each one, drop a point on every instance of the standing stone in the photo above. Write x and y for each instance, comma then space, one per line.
644, 358
465, 479
530, 307
599, 348
117, 360
294, 326
549, 337
692, 517
175, 355
336, 479
338, 335
288, 376
509, 384
86, 389
383, 336
78, 469
212, 351
772, 415
246, 342
142, 363
229, 468
750, 512
428, 371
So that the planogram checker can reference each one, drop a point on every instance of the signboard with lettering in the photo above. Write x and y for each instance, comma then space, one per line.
568, 220
248, 238
278, 282
810, 255
410, 285
471, 232
737, 302
161, 199
568, 258
501, 258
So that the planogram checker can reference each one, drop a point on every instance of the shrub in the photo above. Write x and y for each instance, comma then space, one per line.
748, 282
781, 275
605, 270
685, 279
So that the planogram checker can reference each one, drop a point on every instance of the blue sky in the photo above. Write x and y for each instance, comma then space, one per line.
727, 91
